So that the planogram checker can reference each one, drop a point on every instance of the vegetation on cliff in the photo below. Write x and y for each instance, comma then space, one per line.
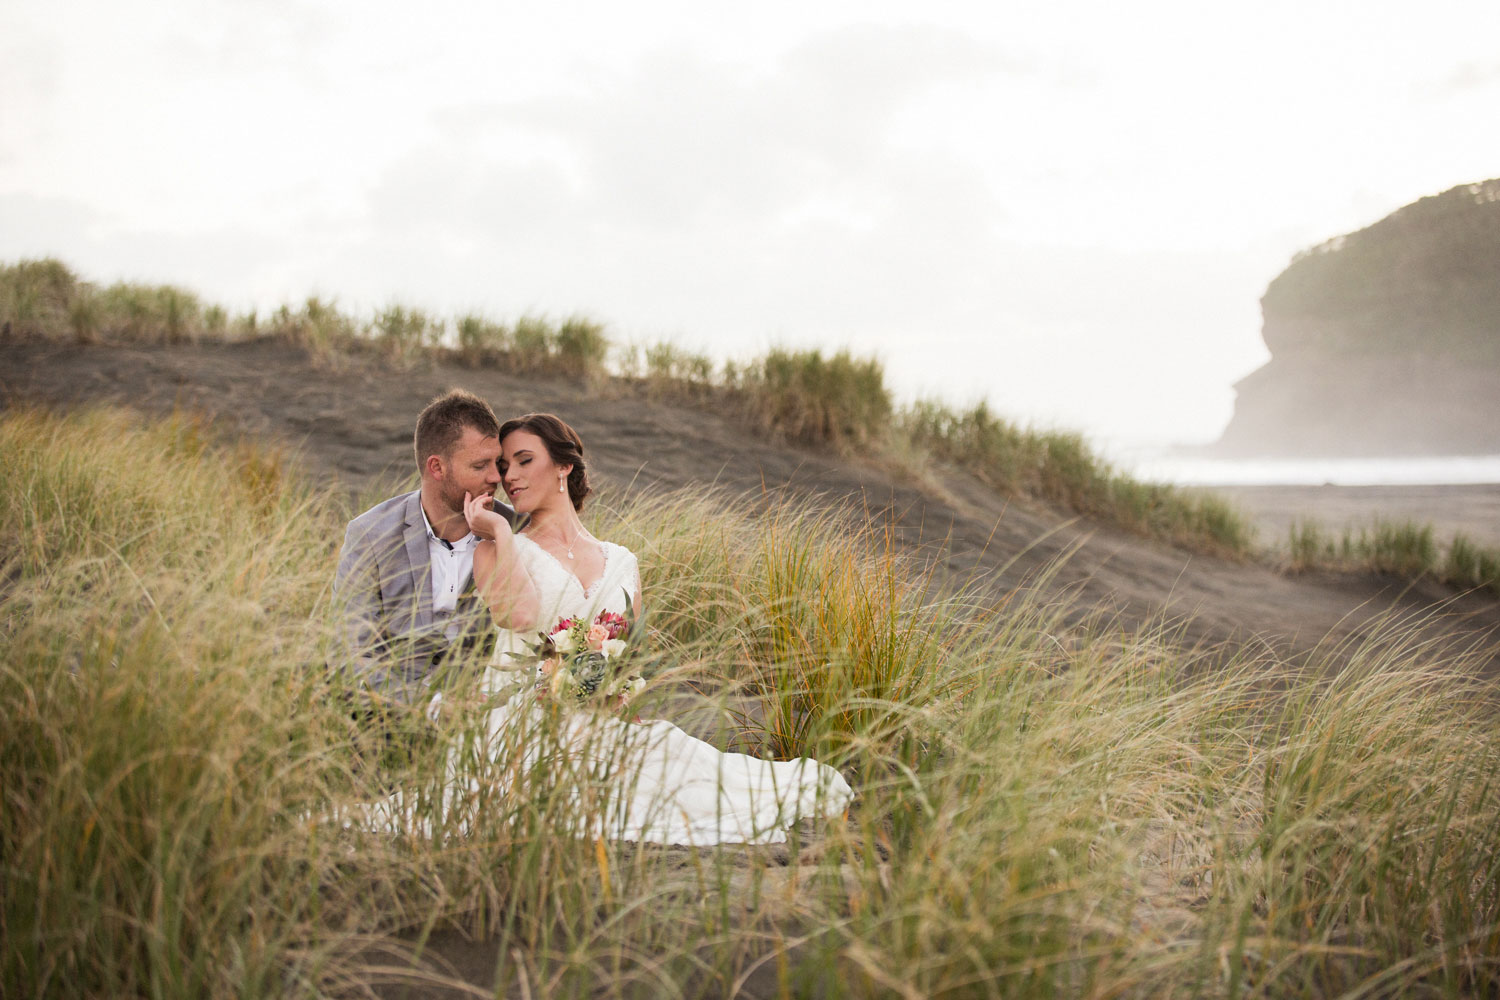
1425, 279
1384, 342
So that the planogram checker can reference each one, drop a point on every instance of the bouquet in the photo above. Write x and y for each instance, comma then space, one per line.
579, 661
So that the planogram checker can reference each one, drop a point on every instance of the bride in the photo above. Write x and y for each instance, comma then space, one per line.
659, 784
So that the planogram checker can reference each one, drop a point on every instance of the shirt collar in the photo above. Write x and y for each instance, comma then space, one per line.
432, 536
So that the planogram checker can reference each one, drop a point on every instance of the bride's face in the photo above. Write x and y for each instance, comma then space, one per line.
529, 475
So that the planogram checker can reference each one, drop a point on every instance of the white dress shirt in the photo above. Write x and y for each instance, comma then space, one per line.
452, 568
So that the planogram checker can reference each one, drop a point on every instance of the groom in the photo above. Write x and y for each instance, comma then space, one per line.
404, 578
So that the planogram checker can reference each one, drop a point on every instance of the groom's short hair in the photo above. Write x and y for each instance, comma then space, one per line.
443, 420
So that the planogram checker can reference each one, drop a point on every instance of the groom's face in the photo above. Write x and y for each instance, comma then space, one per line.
471, 467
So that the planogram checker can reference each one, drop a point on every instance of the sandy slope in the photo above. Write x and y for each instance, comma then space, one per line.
1471, 509
354, 422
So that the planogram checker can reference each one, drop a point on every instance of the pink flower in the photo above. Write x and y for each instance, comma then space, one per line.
597, 635
616, 624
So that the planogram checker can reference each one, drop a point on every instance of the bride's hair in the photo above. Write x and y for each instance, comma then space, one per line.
564, 447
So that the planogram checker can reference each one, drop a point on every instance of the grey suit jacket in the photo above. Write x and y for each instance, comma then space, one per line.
391, 639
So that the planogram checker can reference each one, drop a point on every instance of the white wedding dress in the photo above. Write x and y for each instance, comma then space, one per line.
638, 781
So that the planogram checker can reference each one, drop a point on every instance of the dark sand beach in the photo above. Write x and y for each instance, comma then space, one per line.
351, 420
1473, 510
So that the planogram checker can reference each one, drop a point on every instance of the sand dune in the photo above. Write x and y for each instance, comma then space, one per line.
353, 422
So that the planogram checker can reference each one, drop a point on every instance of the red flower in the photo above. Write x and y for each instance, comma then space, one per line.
614, 623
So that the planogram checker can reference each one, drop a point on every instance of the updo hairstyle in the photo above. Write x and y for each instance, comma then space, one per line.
563, 445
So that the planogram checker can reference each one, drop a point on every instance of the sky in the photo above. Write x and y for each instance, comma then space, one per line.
1069, 209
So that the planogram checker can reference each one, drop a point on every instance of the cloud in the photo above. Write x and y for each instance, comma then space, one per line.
39, 226
870, 186
222, 264
1468, 78
30, 77
683, 139
696, 195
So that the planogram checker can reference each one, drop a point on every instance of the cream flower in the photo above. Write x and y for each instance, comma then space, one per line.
563, 682
612, 647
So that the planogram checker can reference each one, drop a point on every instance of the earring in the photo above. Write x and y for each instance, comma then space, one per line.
562, 484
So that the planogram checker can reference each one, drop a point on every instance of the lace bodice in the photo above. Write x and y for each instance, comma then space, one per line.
563, 595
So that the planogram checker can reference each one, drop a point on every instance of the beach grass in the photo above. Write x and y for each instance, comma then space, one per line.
44, 298
838, 402
1060, 467
665, 370
1470, 565
1403, 549
1044, 807
804, 397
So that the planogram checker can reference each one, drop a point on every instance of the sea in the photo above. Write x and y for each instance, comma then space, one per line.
1163, 465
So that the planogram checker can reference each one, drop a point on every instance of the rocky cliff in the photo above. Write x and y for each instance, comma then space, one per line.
1385, 341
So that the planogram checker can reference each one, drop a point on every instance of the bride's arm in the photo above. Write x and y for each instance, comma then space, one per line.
503, 583
498, 574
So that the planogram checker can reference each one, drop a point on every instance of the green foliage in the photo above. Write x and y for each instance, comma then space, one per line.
839, 402
405, 333
318, 327
801, 396
156, 610
215, 322
85, 315
533, 341
1308, 546
1404, 549
575, 348
43, 298
666, 363
1353, 846
1061, 468
1469, 565
323, 330
1420, 280
669, 371
816, 611
36, 295
581, 347
481, 341
153, 314
1044, 808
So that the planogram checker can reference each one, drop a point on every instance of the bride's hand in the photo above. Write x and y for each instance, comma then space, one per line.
482, 521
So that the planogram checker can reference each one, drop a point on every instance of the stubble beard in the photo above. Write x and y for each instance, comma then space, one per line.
454, 501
